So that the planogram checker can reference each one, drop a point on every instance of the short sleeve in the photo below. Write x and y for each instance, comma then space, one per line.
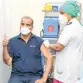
10, 48
40, 41
65, 36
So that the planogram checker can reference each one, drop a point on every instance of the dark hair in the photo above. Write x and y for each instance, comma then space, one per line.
28, 17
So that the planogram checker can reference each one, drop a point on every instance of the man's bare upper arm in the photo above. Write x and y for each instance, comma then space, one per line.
45, 51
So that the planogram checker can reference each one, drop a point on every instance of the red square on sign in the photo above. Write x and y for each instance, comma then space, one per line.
50, 28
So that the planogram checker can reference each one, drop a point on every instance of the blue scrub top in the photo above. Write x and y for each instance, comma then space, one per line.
26, 57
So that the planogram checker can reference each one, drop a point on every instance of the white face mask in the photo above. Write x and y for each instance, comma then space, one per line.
24, 30
63, 19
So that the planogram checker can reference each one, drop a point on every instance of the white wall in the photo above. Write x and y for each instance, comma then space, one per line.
11, 12
28, 8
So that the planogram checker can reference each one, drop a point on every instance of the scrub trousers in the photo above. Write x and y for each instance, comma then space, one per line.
23, 79
56, 81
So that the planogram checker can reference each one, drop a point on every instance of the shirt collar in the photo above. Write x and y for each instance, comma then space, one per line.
71, 21
19, 36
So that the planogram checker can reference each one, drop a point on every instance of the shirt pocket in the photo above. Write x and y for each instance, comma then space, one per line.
60, 66
34, 52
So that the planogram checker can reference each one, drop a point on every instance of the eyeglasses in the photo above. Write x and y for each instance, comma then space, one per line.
26, 24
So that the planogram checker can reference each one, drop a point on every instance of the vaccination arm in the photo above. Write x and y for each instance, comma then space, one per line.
48, 66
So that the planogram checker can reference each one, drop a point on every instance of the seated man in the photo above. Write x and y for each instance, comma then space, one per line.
24, 53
